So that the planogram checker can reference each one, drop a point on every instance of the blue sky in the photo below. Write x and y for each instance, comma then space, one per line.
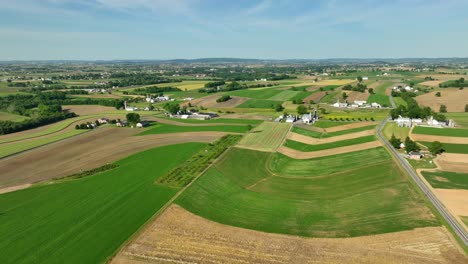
269, 29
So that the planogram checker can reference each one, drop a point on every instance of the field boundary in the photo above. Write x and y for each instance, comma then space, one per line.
296, 154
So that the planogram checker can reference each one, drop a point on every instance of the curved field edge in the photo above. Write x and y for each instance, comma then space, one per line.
95, 214
286, 199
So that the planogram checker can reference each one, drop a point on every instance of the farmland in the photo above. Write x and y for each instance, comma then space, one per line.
268, 136
282, 196
86, 209
450, 97
461, 119
259, 103
446, 180
11, 117
307, 148
316, 134
392, 128
450, 148
166, 128
446, 132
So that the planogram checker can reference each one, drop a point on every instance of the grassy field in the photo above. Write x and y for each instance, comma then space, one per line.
256, 93
316, 134
258, 103
464, 219
447, 180
56, 223
16, 147
342, 143
399, 101
216, 120
399, 132
268, 136
363, 114
12, 117
450, 148
381, 99
284, 95
334, 196
329, 98
166, 128
461, 119
334, 82
448, 132
328, 124
382, 88
186, 85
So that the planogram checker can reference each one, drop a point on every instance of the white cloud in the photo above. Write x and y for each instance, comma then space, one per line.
260, 7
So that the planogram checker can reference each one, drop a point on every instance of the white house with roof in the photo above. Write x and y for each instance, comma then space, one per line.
376, 105
403, 121
340, 105
360, 103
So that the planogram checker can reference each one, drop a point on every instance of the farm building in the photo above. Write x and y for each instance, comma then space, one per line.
376, 105
403, 121
291, 119
142, 124
415, 155
340, 105
360, 103
121, 123
365, 78
103, 120
310, 118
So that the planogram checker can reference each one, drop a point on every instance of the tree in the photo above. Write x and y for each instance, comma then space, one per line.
279, 108
443, 109
344, 95
301, 110
359, 78
436, 148
396, 142
410, 145
133, 118
172, 108
438, 94
371, 90
466, 108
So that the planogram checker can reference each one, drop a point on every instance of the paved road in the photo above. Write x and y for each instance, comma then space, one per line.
456, 226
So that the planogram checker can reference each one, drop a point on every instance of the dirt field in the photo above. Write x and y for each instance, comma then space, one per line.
87, 151
88, 109
452, 162
432, 83
179, 236
455, 200
314, 97
450, 97
295, 154
443, 77
210, 101
312, 141
353, 96
349, 126
443, 139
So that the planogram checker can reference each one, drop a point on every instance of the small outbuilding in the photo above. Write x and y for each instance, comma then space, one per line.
415, 155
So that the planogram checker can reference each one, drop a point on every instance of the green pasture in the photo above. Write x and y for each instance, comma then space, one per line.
85, 220
337, 144
399, 132
446, 180
266, 93
166, 129
258, 103
284, 95
447, 132
328, 123
461, 119
336, 196
316, 134
268, 136
217, 121
4, 116
450, 148
381, 99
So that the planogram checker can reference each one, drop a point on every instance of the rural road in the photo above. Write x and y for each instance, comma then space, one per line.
456, 226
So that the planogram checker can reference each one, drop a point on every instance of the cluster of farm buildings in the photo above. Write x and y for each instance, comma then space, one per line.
309, 118
409, 122
356, 104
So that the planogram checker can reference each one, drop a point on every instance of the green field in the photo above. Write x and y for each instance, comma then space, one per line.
8, 149
399, 101
450, 148
382, 88
12, 117
447, 132
334, 196
258, 103
257, 93
284, 95
447, 180
328, 123
329, 98
316, 134
268, 136
337, 144
217, 120
166, 128
381, 99
364, 114
301, 95
87, 219
399, 132
464, 219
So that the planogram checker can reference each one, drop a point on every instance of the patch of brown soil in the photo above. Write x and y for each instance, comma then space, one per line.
15, 188
296, 154
443, 77
452, 162
210, 101
357, 96
309, 127
453, 98
83, 110
312, 141
179, 236
315, 97
87, 151
443, 139
349, 126
455, 200
431, 83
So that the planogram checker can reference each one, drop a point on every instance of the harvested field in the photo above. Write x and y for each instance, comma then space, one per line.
443, 77
295, 154
450, 97
88, 151
179, 236
210, 101
333, 82
268, 136
82, 110
315, 97
452, 162
455, 200
431, 138
349, 126
432, 83
310, 140
353, 96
